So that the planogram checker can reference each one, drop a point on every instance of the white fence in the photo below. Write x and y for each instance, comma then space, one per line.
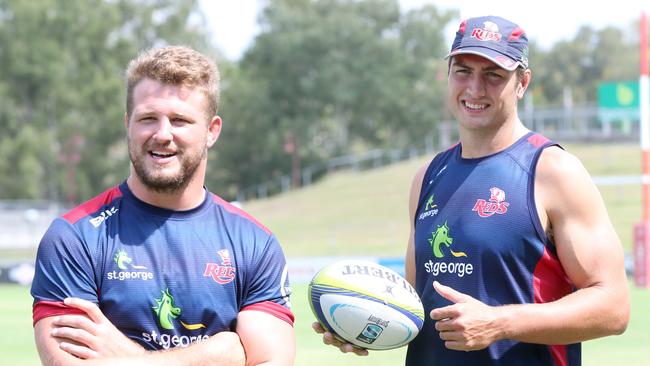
23, 223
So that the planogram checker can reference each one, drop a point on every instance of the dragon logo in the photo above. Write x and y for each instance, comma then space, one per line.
122, 259
167, 311
441, 237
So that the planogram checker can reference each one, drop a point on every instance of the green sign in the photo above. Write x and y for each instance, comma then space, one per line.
618, 100
624, 94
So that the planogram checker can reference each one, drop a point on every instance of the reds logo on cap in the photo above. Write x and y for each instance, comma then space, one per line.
489, 32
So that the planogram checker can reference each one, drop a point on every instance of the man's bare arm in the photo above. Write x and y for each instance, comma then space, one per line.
93, 340
267, 340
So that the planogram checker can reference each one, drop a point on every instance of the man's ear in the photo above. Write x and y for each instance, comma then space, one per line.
214, 130
523, 83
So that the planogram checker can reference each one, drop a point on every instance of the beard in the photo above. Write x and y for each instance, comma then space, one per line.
162, 182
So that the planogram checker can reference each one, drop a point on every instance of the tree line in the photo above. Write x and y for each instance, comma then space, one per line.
323, 78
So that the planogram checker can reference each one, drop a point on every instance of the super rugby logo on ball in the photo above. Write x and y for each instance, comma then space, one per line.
366, 304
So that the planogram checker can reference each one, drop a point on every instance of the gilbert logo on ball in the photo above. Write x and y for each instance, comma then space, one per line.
366, 304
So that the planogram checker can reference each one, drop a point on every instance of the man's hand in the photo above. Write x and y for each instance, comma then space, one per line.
467, 324
328, 338
91, 335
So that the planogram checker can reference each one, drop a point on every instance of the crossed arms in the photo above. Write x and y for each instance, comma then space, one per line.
91, 339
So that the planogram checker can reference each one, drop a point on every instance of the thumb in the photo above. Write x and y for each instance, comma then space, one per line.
450, 294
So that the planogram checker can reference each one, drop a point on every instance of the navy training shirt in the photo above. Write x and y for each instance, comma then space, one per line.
164, 278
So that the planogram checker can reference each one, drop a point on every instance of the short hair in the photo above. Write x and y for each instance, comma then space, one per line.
175, 65
520, 71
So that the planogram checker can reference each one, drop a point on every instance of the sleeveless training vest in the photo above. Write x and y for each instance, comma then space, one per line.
477, 230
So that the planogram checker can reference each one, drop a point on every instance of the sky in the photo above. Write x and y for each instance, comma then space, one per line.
234, 22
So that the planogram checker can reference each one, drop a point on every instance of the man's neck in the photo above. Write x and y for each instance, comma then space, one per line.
480, 143
181, 200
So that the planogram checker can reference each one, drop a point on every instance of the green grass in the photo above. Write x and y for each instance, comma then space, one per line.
348, 213
17, 335
630, 349
608, 159
623, 202
366, 213
17, 254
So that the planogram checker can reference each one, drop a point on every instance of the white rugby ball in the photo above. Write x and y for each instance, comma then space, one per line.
366, 304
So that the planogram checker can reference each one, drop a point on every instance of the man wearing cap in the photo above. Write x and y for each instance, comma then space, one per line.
542, 267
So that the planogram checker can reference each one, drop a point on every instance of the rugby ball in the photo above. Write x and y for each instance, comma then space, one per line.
366, 304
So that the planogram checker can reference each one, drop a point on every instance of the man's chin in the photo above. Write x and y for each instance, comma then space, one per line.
165, 186
164, 179
164, 183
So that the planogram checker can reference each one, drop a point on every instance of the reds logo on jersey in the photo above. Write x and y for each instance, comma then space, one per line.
496, 204
221, 273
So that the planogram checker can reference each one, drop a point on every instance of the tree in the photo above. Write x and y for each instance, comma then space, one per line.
63, 61
592, 57
338, 76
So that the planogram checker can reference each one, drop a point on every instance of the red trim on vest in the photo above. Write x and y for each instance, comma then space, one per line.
558, 352
92, 205
275, 309
44, 309
238, 211
537, 140
550, 283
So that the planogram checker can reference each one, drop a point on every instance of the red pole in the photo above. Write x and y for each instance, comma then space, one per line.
645, 142
642, 229
643, 30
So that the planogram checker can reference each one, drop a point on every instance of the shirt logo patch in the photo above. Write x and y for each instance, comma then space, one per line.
221, 273
441, 237
441, 242
430, 208
96, 221
128, 270
167, 311
123, 261
495, 205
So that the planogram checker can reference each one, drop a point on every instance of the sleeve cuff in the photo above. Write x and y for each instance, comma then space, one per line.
272, 308
44, 309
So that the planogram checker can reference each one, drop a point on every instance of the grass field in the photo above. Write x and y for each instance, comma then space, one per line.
630, 349
365, 213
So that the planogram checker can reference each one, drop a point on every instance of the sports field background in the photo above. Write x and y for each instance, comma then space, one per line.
364, 213
630, 349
